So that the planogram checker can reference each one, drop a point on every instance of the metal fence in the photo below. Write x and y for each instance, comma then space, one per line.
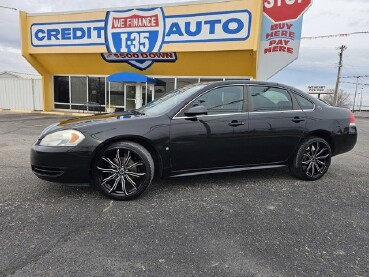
20, 94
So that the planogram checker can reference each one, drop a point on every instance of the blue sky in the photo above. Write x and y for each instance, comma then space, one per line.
317, 63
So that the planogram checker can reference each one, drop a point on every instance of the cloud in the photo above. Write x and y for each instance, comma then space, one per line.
12, 60
318, 59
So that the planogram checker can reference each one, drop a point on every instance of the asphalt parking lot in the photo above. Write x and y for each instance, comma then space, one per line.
256, 223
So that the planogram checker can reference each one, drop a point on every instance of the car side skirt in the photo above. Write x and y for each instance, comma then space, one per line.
225, 170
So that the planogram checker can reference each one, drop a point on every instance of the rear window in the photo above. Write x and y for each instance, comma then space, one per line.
264, 98
304, 103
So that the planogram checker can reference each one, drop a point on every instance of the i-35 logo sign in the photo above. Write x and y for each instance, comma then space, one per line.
146, 30
135, 31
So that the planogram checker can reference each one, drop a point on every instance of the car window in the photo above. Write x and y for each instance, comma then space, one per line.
229, 99
264, 98
304, 103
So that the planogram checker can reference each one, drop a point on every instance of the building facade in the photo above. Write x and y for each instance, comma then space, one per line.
75, 52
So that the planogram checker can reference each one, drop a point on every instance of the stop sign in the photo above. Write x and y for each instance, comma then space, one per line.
285, 10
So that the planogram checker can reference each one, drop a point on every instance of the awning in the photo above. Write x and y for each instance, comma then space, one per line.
130, 77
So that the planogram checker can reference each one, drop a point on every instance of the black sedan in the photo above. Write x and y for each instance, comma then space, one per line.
202, 128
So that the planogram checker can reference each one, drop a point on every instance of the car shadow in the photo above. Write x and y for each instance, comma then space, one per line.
251, 177
79, 191
162, 186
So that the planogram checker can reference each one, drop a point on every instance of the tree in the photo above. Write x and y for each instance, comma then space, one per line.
343, 98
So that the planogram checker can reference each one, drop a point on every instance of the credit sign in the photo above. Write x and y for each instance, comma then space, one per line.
144, 31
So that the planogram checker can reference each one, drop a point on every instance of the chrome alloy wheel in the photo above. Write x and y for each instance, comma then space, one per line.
121, 171
316, 159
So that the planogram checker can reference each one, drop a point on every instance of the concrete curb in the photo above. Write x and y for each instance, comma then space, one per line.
49, 113
361, 114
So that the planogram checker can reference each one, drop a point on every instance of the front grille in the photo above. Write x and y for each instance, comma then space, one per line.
47, 171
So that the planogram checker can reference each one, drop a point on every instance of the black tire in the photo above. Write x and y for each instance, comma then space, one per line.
123, 170
312, 159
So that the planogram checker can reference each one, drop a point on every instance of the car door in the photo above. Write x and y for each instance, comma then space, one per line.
214, 140
276, 124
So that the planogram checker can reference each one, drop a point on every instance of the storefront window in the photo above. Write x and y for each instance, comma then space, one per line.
78, 90
96, 90
147, 95
73, 92
164, 85
235, 79
206, 80
182, 82
61, 92
116, 94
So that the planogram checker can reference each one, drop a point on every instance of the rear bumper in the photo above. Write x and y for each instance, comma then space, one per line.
61, 164
345, 143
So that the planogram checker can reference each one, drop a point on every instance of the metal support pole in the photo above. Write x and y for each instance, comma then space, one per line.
109, 97
146, 95
357, 83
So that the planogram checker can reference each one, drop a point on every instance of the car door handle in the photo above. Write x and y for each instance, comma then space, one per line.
236, 123
297, 119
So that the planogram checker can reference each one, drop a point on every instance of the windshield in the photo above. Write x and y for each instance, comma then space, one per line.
165, 103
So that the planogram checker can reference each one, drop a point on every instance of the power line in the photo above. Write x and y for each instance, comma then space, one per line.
349, 70
350, 65
356, 76
9, 8
359, 84
337, 35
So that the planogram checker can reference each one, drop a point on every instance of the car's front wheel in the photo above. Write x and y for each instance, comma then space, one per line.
312, 159
123, 170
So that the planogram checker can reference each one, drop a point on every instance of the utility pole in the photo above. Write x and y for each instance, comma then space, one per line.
342, 48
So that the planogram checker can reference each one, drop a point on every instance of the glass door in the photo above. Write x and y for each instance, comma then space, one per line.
130, 96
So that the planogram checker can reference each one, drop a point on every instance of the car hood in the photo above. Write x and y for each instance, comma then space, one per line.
80, 122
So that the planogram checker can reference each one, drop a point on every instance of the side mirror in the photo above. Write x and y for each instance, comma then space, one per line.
197, 110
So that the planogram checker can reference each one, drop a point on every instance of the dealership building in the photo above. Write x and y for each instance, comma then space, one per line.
125, 57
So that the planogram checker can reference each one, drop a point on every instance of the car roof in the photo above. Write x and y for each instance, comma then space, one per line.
251, 82
262, 83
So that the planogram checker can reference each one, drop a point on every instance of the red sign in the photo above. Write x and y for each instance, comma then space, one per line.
135, 21
285, 10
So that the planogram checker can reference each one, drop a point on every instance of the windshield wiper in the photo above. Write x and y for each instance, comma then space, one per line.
136, 112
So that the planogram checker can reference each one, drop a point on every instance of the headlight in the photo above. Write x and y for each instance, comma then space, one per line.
63, 138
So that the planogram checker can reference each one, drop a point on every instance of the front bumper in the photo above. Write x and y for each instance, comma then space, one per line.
61, 164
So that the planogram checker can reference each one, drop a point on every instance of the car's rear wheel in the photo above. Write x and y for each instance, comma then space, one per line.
312, 159
123, 170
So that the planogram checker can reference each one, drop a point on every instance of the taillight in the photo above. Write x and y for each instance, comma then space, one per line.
352, 119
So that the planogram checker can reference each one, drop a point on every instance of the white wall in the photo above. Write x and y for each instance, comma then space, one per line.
20, 94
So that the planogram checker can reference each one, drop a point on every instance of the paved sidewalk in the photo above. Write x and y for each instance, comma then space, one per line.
61, 113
